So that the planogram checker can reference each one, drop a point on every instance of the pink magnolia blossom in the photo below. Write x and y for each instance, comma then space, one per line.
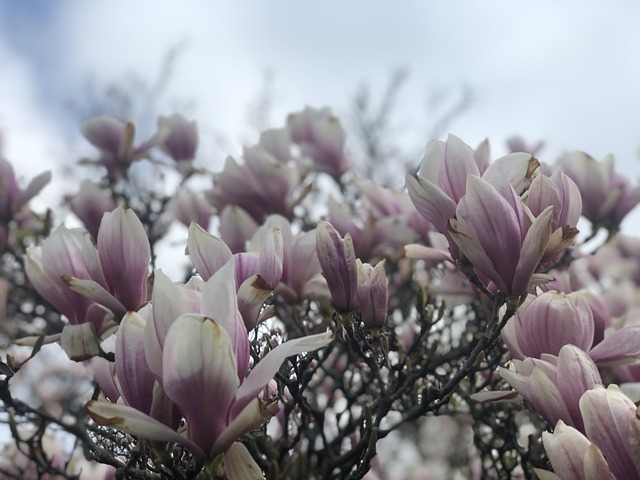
188, 206
572, 455
554, 385
386, 222
277, 141
92, 285
373, 294
610, 422
236, 227
300, 265
257, 274
562, 193
607, 196
261, 185
442, 180
90, 204
177, 137
12, 197
547, 322
498, 235
200, 359
320, 136
114, 138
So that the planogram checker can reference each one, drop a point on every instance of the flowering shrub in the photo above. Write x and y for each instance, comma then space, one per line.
309, 329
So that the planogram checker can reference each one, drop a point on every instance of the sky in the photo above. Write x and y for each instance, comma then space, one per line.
564, 72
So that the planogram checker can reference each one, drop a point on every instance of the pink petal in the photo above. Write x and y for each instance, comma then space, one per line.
271, 258
431, 201
125, 254
269, 365
207, 252
200, 375
533, 247
621, 346
220, 302
134, 376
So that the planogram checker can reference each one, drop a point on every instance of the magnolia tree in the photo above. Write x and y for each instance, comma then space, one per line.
323, 320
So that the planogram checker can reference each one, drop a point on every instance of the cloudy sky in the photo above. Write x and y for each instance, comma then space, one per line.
566, 72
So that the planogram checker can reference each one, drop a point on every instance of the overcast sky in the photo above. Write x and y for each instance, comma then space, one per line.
565, 72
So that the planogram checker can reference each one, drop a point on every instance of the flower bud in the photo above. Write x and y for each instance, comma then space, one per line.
338, 261
373, 294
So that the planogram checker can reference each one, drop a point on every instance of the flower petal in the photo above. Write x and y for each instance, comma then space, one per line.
125, 255
239, 465
200, 375
136, 423
269, 365
207, 252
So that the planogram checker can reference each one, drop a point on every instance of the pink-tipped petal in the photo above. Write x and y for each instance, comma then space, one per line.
125, 255
207, 252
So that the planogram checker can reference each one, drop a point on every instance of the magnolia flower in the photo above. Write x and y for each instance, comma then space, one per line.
188, 207
12, 197
338, 261
607, 196
261, 185
544, 324
90, 204
236, 227
114, 139
300, 265
177, 137
387, 221
373, 294
320, 136
554, 385
277, 141
496, 233
257, 274
572, 455
562, 193
610, 422
88, 284
442, 180
199, 360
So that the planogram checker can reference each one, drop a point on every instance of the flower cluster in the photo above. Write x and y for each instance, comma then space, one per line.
301, 336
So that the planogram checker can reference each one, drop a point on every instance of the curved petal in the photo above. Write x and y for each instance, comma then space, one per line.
136, 423
220, 302
200, 375
608, 424
207, 252
533, 248
96, 292
252, 416
271, 258
475, 254
621, 346
269, 365
431, 201
125, 255
134, 376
